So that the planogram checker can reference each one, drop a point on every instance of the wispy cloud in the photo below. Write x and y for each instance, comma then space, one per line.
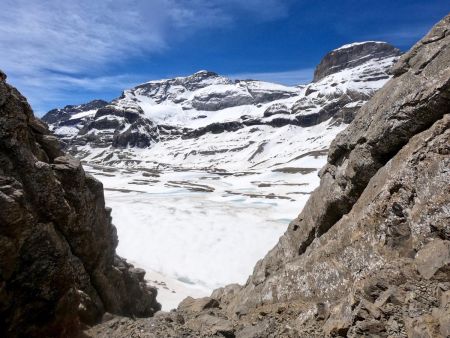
50, 45
290, 77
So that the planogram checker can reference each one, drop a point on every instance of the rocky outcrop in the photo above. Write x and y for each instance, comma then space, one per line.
370, 253
227, 97
64, 114
353, 55
416, 100
58, 268
116, 126
173, 89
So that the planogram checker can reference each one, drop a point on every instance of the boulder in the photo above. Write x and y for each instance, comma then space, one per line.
434, 257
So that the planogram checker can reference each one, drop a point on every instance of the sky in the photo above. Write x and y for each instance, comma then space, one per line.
70, 52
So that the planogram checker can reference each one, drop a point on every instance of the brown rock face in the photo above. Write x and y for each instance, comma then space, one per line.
58, 267
369, 256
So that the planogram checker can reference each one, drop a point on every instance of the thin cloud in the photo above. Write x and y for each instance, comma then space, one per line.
72, 90
41, 38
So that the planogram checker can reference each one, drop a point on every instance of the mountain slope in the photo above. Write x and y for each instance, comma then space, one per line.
179, 118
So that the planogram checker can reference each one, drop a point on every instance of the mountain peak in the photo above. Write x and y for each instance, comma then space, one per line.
205, 72
202, 75
355, 44
352, 55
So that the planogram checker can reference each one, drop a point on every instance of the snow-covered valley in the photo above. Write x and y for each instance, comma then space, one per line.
203, 174
195, 241
194, 230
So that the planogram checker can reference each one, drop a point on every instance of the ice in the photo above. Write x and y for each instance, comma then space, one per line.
191, 242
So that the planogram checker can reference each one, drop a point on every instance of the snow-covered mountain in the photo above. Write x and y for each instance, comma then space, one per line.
177, 121
204, 163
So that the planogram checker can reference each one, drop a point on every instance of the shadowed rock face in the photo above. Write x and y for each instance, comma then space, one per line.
353, 55
370, 253
58, 267
64, 114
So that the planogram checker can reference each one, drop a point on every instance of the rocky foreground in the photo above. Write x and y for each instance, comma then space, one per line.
370, 253
58, 269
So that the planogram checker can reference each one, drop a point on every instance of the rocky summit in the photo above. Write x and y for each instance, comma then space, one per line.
370, 253
353, 55
59, 271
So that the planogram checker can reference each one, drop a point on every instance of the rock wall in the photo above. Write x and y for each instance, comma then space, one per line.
58, 267
353, 55
370, 253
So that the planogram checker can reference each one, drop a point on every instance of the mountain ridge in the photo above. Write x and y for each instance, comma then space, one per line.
179, 111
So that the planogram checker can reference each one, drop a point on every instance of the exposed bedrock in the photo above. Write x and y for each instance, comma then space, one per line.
58, 268
64, 114
399, 142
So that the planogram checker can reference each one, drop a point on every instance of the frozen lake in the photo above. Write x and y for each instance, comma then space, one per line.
194, 231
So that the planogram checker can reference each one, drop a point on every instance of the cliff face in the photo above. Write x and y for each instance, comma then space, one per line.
370, 253
383, 198
58, 267
352, 55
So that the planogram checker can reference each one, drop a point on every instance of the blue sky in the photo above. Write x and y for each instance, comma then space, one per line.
68, 52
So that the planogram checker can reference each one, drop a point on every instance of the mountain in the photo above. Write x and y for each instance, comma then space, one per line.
369, 255
179, 120
59, 271
352, 55
68, 112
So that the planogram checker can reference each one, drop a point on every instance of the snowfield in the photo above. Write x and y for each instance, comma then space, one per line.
195, 227
196, 241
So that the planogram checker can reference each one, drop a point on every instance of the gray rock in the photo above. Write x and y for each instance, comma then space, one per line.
60, 115
190, 304
352, 56
213, 101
